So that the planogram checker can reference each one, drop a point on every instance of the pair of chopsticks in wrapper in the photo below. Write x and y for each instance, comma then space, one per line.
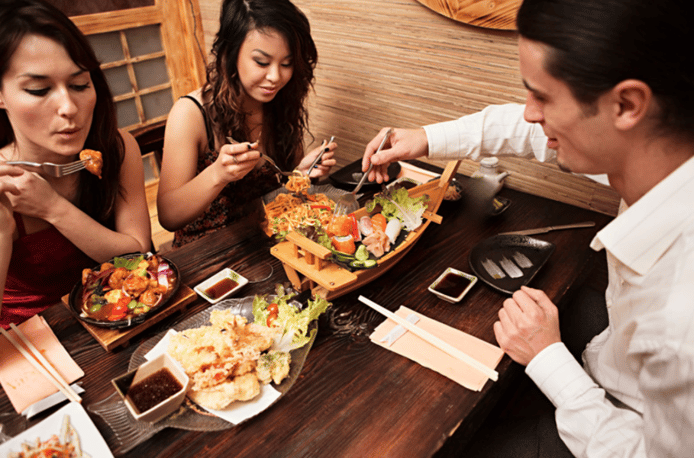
432, 339
41, 364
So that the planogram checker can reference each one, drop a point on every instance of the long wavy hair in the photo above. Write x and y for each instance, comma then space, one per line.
21, 18
285, 119
595, 44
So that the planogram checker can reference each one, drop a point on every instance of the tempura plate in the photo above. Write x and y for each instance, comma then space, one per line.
189, 416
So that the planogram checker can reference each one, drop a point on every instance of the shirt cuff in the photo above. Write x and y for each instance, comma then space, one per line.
558, 375
457, 139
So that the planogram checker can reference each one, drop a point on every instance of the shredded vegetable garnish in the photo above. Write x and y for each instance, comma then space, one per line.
65, 446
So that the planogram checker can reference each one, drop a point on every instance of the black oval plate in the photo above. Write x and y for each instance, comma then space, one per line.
496, 249
345, 177
74, 299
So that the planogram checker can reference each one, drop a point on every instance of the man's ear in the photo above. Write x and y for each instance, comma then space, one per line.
632, 100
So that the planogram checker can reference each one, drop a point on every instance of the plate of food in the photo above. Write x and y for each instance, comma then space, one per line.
232, 379
356, 243
507, 262
125, 290
69, 432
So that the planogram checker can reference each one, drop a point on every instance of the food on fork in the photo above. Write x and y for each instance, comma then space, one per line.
298, 182
94, 161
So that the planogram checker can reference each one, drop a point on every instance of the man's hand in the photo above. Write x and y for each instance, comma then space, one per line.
528, 323
402, 144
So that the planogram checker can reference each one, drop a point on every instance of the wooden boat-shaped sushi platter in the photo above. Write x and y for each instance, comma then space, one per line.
308, 265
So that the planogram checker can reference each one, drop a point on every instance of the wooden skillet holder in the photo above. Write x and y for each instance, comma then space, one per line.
307, 263
113, 338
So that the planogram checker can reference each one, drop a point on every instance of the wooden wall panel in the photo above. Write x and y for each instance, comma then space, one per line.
398, 63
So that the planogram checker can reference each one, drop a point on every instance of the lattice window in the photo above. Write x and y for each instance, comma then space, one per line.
151, 55
135, 65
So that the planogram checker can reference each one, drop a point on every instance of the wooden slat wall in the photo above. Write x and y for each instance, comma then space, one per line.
397, 63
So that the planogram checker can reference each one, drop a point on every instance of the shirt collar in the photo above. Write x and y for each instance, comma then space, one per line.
639, 236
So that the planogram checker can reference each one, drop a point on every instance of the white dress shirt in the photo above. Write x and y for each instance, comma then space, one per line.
634, 394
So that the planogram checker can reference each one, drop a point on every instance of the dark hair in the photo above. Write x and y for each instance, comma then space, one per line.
20, 18
596, 44
285, 118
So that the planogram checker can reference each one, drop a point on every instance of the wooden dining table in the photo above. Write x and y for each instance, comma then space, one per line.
354, 398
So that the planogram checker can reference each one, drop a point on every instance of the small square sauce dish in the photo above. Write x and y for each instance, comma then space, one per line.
220, 285
452, 285
153, 390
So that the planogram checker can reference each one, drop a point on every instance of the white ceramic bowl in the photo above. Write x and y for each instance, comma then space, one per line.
452, 280
165, 407
216, 278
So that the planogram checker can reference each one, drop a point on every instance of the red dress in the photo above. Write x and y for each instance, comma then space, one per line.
43, 268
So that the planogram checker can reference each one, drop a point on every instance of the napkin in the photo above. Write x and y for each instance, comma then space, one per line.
23, 384
424, 353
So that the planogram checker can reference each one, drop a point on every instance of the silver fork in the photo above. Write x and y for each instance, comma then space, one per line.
55, 170
267, 158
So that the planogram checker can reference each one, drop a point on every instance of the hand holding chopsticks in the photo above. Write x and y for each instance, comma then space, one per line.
435, 341
40, 363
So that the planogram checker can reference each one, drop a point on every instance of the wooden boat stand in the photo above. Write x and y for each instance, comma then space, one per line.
308, 266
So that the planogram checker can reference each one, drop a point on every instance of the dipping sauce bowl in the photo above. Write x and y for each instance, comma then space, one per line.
452, 285
154, 390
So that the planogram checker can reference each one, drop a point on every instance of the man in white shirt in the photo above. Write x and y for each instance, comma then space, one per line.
613, 93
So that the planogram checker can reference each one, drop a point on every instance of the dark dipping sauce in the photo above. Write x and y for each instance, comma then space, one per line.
154, 389
452, 285
220, 288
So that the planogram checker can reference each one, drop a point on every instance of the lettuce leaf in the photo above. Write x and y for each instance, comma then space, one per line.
397, 203
292, 323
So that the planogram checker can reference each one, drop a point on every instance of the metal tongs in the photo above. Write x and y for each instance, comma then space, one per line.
347, 203
320, 156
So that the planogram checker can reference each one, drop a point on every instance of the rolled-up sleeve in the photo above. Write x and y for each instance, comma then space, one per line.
496, 130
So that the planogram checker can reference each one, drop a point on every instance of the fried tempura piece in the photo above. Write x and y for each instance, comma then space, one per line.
94, 161
241, 388
273, 366
218, 358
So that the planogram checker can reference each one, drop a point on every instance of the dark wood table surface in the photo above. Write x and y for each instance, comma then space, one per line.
354, 398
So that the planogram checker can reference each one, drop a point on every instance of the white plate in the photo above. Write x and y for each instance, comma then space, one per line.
226, 273
90, 438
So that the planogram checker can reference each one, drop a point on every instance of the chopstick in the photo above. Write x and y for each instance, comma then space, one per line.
435, 341
42, 365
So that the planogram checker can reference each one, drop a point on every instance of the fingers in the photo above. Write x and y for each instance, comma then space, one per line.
10, 170
380, 169
239, 154
539, 297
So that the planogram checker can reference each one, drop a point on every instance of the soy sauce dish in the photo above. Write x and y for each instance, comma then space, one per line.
452, 285
220, 285
154, 390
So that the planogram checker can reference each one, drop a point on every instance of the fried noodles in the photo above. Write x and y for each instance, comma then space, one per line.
287, 212
298, 183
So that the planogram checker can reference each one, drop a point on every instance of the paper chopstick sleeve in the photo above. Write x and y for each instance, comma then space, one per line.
426, 354
23, 384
